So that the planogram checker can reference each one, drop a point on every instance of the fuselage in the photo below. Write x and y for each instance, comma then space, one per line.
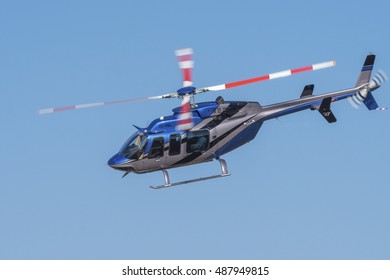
220, 127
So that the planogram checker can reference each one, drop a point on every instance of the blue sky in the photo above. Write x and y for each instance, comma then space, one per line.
303, 189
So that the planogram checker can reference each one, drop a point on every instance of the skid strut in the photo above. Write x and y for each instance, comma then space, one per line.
224, 173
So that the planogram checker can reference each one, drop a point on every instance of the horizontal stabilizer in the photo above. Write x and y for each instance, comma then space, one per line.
307, 91
325, 110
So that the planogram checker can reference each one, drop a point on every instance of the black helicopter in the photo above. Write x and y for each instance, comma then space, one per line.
202, 132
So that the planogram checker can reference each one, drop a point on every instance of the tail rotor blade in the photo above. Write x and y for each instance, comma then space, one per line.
355, 102
98, 104
271, 76
186, 64
380, 78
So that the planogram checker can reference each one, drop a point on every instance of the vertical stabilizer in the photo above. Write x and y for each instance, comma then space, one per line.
365, 74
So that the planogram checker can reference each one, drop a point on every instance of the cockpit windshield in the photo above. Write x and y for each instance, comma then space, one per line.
135, 146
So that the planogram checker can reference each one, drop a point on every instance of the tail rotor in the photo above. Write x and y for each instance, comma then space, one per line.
378, 80
365, 96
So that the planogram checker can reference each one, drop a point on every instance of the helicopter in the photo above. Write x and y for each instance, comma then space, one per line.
202, 132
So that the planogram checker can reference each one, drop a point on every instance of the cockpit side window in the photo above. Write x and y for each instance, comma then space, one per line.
197, 141
174, 144
157, 148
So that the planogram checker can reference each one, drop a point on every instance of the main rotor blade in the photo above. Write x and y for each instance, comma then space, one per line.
98, 104
271, 76
186, 63
185, 121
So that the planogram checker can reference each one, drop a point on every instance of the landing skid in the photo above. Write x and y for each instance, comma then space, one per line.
224, 173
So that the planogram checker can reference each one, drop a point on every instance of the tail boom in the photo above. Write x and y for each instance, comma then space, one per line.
361, 93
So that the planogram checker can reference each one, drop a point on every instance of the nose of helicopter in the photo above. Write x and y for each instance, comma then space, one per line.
118, 162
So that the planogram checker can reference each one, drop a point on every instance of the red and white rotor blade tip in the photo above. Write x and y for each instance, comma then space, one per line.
185, 121
186, 64
98, 104
272, 76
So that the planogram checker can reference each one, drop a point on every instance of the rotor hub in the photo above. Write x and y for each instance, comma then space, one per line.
186, 91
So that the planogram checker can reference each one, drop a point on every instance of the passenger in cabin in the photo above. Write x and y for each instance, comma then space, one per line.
202, 142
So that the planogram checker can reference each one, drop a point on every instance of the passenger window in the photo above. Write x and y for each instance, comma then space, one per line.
157, 149
197, 141
174, 144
